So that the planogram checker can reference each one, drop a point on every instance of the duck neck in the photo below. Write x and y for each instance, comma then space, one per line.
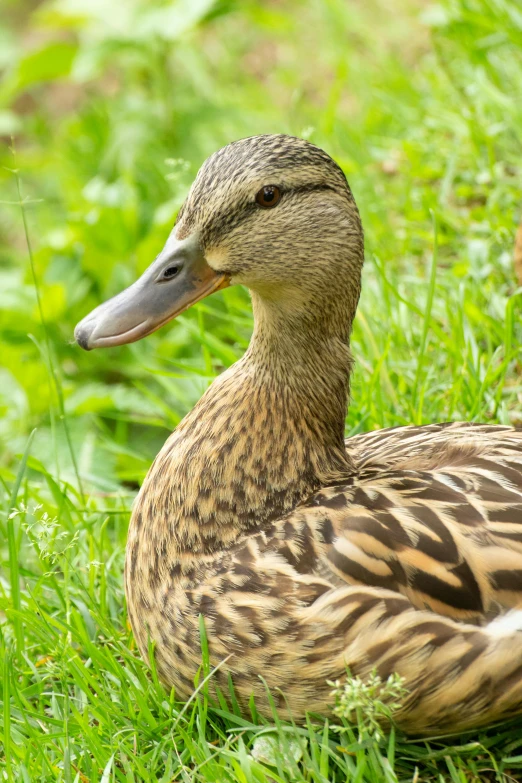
303, 359
266, 434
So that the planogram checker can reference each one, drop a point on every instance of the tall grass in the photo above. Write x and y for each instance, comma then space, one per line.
113, 113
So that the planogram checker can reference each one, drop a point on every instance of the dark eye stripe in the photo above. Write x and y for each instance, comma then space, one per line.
231, 220
309, 188
285, 191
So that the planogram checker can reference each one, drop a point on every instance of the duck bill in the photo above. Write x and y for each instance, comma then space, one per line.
177, 279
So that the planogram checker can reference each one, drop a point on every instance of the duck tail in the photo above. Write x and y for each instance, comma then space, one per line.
457, 675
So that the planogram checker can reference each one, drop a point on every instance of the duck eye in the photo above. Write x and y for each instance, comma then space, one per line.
268, 196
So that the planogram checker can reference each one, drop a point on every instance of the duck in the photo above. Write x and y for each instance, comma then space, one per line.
310, 557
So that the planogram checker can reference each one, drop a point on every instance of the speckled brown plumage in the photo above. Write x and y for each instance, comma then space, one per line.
303, 553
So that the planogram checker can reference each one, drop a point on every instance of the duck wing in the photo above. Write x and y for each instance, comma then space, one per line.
434, 513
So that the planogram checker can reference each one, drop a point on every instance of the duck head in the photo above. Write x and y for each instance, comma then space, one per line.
273, 213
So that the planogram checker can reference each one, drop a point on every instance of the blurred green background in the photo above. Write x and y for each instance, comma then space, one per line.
112, 110
107, 110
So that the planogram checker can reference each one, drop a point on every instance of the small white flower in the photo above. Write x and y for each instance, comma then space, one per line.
368, 703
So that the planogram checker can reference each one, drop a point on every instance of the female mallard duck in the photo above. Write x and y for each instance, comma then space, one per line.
304, 553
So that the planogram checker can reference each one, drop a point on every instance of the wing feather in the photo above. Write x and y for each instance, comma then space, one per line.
434, 513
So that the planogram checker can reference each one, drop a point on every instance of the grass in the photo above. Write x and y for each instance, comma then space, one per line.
112, 114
